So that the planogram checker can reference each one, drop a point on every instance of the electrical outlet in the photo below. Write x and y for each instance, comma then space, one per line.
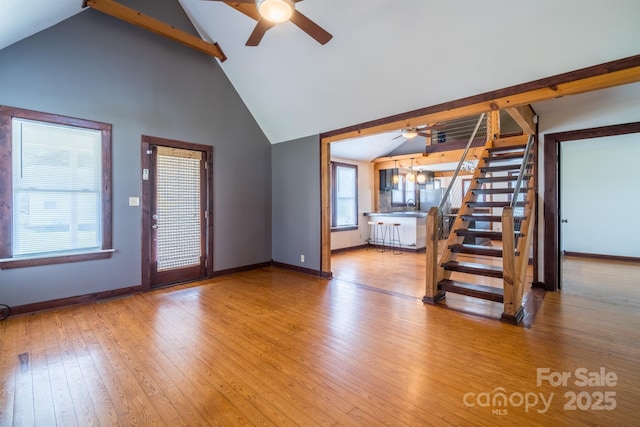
301, 258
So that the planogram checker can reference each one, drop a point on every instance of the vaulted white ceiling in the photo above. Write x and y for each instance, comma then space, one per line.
19, 19
386, 56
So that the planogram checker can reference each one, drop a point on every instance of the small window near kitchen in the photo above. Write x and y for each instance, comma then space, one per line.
344, 196
405, 193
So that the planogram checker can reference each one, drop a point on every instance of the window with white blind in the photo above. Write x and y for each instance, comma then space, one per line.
344, 195
59, 188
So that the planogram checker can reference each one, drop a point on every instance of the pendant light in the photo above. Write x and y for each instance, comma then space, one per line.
421, 178
411, 176
396, 178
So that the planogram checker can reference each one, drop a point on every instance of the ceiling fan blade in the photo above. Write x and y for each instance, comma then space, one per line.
425, 134
310, 27
258, 32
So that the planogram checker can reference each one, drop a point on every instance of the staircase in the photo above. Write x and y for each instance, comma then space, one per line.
499, 251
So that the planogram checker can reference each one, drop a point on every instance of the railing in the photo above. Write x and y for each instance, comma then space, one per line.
454, 194
517, 222
517, 197
454, 135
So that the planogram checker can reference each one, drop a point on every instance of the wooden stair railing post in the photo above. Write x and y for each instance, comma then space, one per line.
515, 267
509, 279
493, 124
432, 295
524, 245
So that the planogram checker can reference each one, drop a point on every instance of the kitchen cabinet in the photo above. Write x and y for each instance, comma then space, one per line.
386, 179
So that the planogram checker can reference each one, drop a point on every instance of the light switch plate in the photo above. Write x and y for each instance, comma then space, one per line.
134, 201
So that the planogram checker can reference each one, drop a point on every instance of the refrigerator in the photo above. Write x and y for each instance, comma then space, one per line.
430, 197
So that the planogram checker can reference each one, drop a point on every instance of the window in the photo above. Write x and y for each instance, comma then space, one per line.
56, 188
405, 192
344, 196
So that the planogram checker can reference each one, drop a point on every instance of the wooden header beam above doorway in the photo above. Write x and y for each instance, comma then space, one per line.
151, 24
602, 76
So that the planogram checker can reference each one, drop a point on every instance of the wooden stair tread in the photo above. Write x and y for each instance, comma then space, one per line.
509, 178
502, 157
494, 204
503, 168
476, 250
507, 148
496, 190
472, 290
464, 248
474, 268
476, 232
489, 218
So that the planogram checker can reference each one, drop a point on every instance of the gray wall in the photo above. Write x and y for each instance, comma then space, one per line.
296, 202
95, 67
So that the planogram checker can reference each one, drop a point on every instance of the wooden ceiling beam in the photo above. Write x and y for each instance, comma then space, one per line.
248, 9
602, 76
524, 116
397, 158
422, 159
155, 26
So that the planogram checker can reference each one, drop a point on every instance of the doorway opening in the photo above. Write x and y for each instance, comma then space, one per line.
553, 228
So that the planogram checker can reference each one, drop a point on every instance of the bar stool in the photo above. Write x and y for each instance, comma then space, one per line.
394, 238
371, 240
380, 233
376, 235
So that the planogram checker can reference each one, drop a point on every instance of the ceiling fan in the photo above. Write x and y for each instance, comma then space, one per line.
412, 132
271, 12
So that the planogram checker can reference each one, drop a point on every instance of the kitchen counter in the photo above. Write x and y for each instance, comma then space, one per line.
413, 227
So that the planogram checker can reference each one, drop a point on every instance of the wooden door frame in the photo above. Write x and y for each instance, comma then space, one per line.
551, 238
207, 150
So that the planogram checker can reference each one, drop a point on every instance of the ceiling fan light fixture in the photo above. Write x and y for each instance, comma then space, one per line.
410, 133
276, 11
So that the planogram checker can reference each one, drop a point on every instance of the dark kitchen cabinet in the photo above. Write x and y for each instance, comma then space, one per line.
386, 179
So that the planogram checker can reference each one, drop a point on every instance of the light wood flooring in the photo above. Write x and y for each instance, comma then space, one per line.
275, 347
404, 274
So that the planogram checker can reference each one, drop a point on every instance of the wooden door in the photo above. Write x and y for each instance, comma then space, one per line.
175, 213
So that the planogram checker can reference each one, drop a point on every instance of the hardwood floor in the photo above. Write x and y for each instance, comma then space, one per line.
404, 276
275, 347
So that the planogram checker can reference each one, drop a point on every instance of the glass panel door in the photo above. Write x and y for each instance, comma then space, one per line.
177, 215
